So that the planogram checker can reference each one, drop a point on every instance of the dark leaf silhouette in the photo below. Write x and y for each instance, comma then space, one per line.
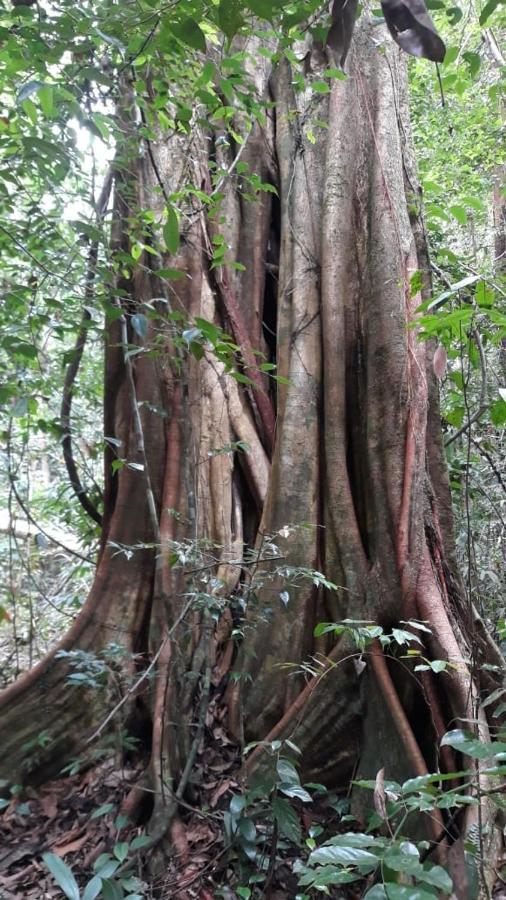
412, 28
343, 22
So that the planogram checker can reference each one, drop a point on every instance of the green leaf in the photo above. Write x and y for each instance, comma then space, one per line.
287, 820
121, 850
335, 73
45, 95
108, 868
295, 791
111, 890
171, 230
31, 87
353, 839
474, 62
190, 33
321, 87
230, 17
170, 274
345, 856
459, 213
484, 295
471, 746
451, 55
287, 771
327, 627
237, 804
437, 877
247, 830
106, 807
404, 637
487, 10
454, 14
63, 875
498, 413
140, 324
439, 665
402, 892
262, 8
93, 888
30, 110
142, 840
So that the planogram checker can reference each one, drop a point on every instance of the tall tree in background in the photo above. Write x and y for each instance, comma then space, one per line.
337, 467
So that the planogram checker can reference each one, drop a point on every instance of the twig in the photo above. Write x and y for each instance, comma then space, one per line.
39, 527
133, 688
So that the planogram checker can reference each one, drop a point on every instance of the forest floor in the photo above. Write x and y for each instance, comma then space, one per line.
80, 817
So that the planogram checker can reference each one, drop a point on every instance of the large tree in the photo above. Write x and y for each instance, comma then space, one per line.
335, 467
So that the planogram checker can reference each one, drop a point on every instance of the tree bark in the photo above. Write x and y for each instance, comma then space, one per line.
344, 474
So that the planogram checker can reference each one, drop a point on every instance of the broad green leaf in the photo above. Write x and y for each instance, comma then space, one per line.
321, 87
484, 295
142, 840
404, 637
473, 60
112, 890
230, 17
354, 839
121, 850
471, 746
335, 73
247, 829
439, 665
487, 10
287, 820
498, 413
295, 791
104, 809
171, 230
437, 877
264, 9
108, 868
459, 213
287, 771
140, 324
93, 888
31, 87
345, 856
327, 627
30, 110
237, 804
190, 33
451, 55
403, 892
45, 95
63, 875
170, 274
326, 875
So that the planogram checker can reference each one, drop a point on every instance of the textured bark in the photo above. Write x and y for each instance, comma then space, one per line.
355, 454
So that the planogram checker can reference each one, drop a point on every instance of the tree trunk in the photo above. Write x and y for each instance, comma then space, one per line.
344, 471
